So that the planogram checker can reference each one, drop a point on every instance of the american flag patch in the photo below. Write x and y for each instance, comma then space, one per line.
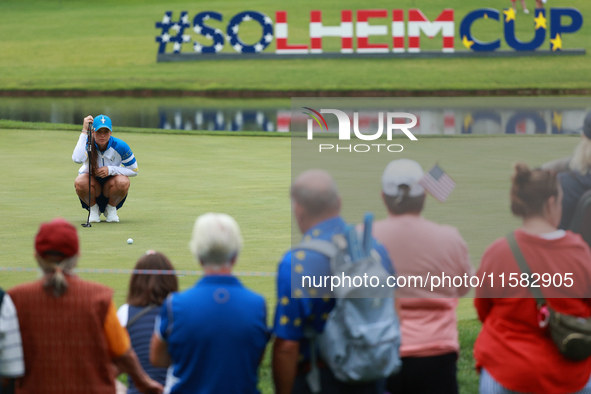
438, 183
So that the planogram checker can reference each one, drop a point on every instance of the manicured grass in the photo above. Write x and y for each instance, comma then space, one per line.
183, 176
108, 45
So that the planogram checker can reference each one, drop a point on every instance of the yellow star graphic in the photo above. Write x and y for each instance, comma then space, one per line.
284, 300
509, 14
307, 238
300, 255
468, 120
467, 43
557, 120
312, 292
299, 268
326, 298
284, 320
485, 15
540, 21
316, 232
298, 293
297, 322
556, 42
324, 316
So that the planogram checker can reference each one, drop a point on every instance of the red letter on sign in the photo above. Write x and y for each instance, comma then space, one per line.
418, 22
281, 36
364, 30
345, 31
398, 31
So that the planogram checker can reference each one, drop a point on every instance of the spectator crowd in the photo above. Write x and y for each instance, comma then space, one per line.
63, 334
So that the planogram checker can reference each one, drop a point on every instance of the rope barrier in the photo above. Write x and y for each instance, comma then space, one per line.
142, 271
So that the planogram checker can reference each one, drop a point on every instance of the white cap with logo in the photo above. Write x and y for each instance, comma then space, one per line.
402, 172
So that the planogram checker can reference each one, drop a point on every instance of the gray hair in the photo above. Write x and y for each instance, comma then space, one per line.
316, 192
54, 272
216, 240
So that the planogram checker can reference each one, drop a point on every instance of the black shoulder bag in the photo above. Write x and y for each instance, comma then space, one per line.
571, 334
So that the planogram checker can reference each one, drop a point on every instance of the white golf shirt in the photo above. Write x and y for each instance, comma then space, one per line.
118, 157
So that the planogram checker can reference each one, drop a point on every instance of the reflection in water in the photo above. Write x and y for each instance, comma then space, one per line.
270, 115
220, 120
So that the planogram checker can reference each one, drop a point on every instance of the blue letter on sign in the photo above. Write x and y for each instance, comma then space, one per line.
539, 26
210, 33
466, 30
557, 30
265, 22
179, 26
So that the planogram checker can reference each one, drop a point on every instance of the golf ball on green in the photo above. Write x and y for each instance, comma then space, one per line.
129, 241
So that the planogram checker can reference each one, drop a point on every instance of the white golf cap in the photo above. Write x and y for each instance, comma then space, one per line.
402, 172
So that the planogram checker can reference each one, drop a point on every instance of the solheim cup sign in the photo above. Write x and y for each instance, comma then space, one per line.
182, 38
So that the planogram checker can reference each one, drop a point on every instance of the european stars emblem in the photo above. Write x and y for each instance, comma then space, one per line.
509, 14
284, 320
556, 42
316, 233
300, 255
312, 292
297, 322
298, 293
284, 300
299, 269
467, 43
540, 21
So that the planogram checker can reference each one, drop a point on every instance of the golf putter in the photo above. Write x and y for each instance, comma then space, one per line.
88, 147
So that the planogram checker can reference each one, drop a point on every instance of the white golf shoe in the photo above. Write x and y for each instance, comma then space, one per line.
95, 215
111, 214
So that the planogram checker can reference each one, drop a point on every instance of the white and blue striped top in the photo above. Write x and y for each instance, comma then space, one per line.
11, 349
118, 157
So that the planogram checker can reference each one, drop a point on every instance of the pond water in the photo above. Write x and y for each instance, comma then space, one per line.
435, 115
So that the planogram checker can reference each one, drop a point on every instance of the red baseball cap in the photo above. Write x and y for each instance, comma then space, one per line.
57, 237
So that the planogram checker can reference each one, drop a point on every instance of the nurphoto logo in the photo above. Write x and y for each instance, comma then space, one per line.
395, 121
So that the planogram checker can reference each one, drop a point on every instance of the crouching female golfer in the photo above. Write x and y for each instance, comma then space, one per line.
111, 164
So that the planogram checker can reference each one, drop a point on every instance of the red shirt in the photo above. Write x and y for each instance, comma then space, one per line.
511, 346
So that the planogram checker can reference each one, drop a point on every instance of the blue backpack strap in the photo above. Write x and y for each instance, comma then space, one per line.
325, 248
1, 296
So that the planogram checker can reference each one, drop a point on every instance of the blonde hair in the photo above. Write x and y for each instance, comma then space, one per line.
216, 240
581, 160
55, 280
